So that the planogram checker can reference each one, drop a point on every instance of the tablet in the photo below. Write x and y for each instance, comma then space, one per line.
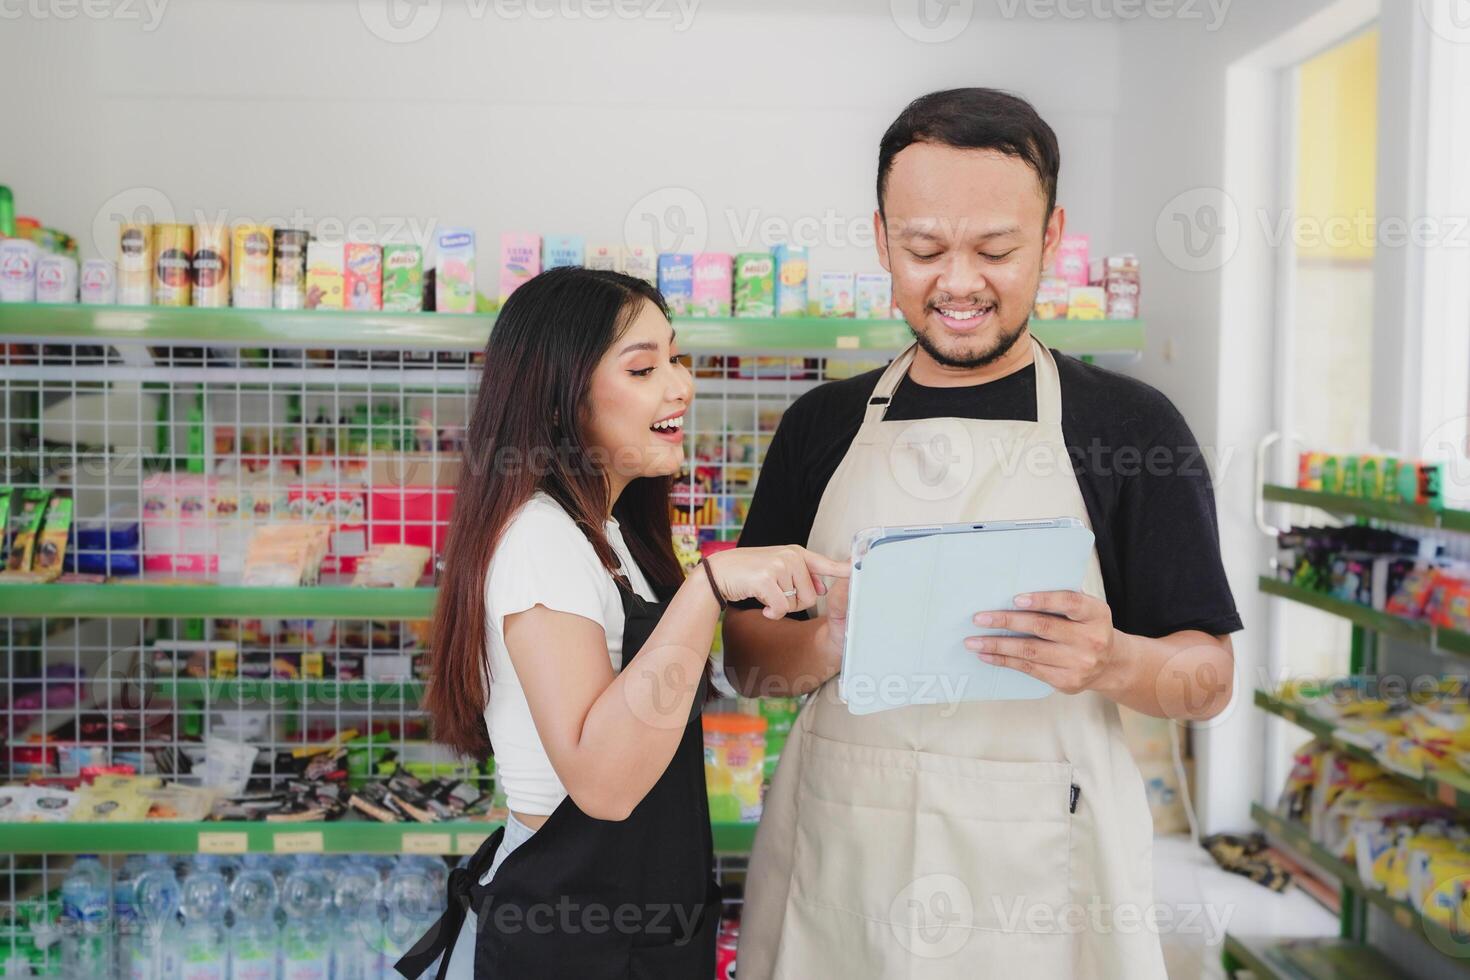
914, 595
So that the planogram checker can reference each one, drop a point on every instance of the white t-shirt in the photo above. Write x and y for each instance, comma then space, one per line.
543, 558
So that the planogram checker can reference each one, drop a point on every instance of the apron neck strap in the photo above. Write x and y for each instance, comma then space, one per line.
1048, 385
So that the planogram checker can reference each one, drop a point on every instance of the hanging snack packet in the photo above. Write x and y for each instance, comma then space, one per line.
25, 523
52, 544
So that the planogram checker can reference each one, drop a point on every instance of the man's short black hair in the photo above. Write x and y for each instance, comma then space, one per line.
975, 119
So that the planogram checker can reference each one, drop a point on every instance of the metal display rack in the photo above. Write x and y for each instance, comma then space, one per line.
1352, 955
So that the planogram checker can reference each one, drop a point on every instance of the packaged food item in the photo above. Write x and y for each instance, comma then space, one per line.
227, 765
1086, 303
1071, 262
173, 259
325, 272
874, 291
792, 274
1051, 299
454, 271
56, 279
755, 284
211, 265
99, 282
734, 764
13, 803
1309, 471
710, 293
676, 281
1118, 276
52, 544
1419, 482
49, 804
520, 259
1371, 473
26, 516
363, 278
286, 554
5, 494
391, 566
564, 250
288, 292
403, 278
18, 258
837, 294
135, 265
641, 263
252, 263
608, 258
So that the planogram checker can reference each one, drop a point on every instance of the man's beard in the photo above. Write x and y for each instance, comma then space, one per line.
995, 352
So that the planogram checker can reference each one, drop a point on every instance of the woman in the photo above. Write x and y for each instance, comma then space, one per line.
567, 635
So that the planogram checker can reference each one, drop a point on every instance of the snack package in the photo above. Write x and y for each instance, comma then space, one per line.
25, 525
874, 292
403, 278
1086, 303
5, 494
755, 284
52, 544
13, 803
227, 765
564, 250
324, 274
1051, 299
792, 274
111, 801
710, 294
520, 259
1309, 471
641, 263
47, 804
1071, 260
837, 298
1118, 277
676, 281
454, 271
363, 278
608, 258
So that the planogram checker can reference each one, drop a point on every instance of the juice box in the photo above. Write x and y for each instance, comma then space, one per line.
837, 294
564, 250
363, 282
520, 259
324, 272
1071, 261
676, 282
454, 271
252, 260
874, 291
1087, 303
608, 258
641, 263
1118, 276
1051, 299
403, 278
755, 284
791, 279
712, 285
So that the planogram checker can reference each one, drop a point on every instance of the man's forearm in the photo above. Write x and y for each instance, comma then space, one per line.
1187, 676
773, 658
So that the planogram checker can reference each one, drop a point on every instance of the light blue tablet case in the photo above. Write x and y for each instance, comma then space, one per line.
913, 599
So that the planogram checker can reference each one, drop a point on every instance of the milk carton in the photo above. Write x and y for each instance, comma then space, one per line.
564, 250
874, 292
676, 282
608, 258
324, 273
1071, 261
755, 284
454, 271
712, 285
837, 294
791, 280
99, 282
56, 279
641, 263
520, 259
403, 278
363, 281
18, 270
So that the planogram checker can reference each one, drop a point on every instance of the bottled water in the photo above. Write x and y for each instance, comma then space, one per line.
255, 939
413, 897
203, 898
154, 950
306, 898
86, 919
359, 927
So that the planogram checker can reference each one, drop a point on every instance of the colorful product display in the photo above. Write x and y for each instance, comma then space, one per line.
792, 273
363, 279
676, 282
711, 291
755, 284
1372, 476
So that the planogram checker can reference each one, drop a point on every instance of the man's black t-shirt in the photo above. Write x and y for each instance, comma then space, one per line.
1143, 478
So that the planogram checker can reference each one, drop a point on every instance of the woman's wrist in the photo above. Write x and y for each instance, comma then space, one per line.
708, 572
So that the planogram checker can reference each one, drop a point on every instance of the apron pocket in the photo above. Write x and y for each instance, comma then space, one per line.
938, 847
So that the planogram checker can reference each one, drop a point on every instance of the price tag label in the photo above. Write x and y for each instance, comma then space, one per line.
426, 844
469, 843
299, 842
849, 343
217, 842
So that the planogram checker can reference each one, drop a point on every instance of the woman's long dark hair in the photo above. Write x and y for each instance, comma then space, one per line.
526, 435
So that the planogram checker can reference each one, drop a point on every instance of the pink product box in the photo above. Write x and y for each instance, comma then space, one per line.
520, 259
345, 509
180, 524
410, 515
1071, 261
713, 281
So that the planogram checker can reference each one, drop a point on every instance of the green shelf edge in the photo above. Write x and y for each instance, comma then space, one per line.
1446, 641
339, 837
1450, 520
143, 601
1295, 836
42, 322
1261, 955
281, 690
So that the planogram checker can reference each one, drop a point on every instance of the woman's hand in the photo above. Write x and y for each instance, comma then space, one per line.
785, 579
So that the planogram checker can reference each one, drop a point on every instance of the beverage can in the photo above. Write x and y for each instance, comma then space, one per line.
211, 265
135, 265
289, 292
173, 254
252, 252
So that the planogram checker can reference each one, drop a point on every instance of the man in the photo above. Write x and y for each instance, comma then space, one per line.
1000, 838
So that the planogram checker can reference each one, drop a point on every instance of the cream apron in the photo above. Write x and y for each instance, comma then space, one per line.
945, 841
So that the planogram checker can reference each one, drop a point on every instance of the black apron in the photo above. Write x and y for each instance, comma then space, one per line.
632, 899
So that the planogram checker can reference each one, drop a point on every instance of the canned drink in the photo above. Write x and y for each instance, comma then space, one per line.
289, 292
99, 282
135, 265
211, 265
56, 279
173, 253
252, 258
18, 270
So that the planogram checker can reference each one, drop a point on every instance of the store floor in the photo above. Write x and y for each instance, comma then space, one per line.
1208, 902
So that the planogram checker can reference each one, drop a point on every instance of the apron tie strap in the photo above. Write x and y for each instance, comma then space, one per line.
439, 941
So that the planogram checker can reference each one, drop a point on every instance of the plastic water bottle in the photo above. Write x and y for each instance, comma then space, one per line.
124, 916
255, 938
86, 919
203, 898
359, 928
306, 898
414, 898
154, 951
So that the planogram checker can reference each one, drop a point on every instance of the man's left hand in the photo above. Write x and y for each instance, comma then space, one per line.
1072, 643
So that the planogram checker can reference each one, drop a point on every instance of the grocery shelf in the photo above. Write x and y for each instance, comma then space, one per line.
1383, 510
1415, 631
1450, 789
1306, 959
42, 322
283, 690
238, 837
1293, 835
141, 600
